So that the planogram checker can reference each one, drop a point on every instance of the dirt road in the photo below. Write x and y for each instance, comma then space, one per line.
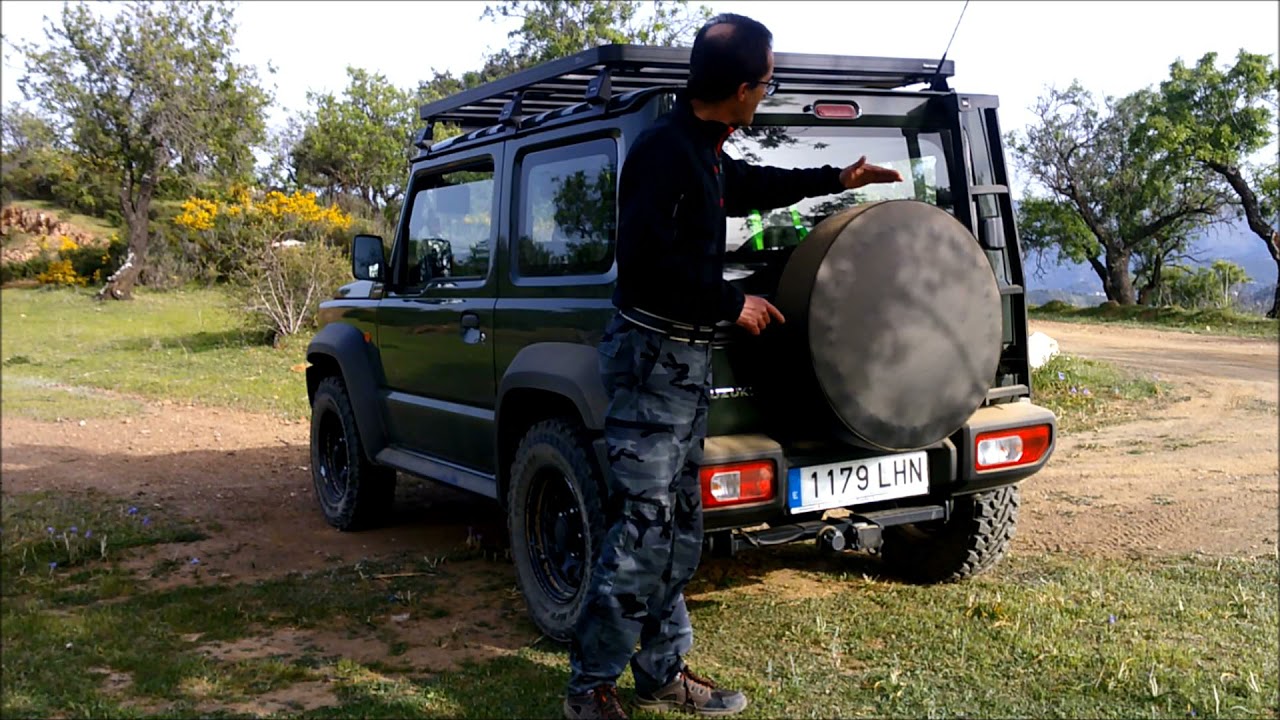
1200, 476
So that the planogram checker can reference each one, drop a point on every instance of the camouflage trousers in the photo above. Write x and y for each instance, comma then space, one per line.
658, 395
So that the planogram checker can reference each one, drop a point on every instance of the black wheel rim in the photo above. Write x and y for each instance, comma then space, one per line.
555, 536
333, 469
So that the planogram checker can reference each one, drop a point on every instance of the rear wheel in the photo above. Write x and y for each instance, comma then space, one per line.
557, 523
972, 541
353, 493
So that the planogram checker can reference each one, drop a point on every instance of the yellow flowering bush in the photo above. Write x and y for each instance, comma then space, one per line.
61, 272
77, 265
273, 212
197, 214
244, 235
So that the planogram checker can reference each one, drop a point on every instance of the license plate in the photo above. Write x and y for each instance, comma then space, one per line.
855, 482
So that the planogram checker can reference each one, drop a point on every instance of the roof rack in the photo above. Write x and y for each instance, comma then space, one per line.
593, 75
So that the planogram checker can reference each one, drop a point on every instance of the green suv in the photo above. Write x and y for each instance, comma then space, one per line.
891, 412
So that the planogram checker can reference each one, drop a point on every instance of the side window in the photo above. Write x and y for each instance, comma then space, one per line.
567, 220
983, 172
450, 227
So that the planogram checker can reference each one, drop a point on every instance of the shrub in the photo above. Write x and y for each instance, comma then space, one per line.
60, 272
94, 263
283, 287
28, 269
273, 248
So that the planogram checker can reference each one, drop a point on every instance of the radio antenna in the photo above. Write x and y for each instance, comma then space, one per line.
940, 83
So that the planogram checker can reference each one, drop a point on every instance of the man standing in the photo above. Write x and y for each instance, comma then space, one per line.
655, 359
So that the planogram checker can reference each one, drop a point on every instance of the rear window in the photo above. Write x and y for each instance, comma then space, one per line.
918, 154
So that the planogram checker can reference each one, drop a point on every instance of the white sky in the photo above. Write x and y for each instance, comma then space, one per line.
1013, 49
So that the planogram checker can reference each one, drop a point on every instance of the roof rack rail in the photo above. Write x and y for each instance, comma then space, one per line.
597, 74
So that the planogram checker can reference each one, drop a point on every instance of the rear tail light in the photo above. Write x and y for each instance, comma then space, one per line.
1010, 448
737, 484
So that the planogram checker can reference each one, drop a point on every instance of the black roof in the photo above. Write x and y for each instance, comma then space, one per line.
624, 68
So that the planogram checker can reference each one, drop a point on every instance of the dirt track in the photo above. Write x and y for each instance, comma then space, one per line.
1202, 476
1199, 476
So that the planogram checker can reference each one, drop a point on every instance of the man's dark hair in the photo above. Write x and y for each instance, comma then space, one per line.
724, 59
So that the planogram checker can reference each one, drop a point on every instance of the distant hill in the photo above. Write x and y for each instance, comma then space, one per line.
1079, 285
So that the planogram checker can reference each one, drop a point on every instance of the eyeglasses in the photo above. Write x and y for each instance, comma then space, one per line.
770, 86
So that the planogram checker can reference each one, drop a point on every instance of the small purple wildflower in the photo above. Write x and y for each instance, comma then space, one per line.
133, 511
146, 521
1073, 391
53, 565
74, 529
195, 561
1062, 375
50, 529
88, 533
1086, 392
1111, 620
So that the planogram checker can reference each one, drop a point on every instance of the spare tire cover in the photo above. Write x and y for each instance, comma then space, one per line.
894, 314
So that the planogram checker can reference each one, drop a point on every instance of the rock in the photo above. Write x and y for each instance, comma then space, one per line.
1040, 349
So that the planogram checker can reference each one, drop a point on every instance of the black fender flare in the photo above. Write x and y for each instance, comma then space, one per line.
571, 370
357, 360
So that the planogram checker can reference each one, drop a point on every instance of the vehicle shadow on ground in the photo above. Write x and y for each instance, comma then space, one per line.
263, 496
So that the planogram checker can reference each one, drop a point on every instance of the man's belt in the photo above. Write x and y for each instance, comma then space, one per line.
674, 329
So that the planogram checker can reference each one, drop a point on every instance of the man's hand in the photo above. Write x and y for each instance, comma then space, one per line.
757, 313
860, 174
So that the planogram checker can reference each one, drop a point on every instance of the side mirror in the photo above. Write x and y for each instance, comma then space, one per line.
368, 262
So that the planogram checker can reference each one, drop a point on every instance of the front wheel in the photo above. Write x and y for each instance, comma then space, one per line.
557, 523
353, 493
973, 540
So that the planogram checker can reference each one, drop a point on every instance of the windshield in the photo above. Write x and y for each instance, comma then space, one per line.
918, 155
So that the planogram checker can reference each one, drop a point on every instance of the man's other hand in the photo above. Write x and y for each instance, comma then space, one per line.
757, 313
860, 174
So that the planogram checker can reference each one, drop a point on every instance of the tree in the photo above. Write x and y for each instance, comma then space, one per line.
1218, 118
357, 143
150, 95
553, 29
1203, 287
1116, 195
29, 146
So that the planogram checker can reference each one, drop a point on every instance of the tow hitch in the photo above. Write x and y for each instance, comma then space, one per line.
856, 532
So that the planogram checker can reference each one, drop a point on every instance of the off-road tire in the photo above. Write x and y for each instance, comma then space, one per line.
555, 453
972, 541
363, 494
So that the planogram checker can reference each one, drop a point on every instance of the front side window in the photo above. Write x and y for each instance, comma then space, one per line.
919, 155
567, 216
450, 227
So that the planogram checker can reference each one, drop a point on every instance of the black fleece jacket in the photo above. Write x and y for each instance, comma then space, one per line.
676, 190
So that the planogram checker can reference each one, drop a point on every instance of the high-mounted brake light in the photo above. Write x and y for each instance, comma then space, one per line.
1010, 448
837, 111
737, 484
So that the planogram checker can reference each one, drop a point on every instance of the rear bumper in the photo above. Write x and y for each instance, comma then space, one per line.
951, 466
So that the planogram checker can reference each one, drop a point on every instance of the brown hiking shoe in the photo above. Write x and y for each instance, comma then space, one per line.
600, 704
692, 694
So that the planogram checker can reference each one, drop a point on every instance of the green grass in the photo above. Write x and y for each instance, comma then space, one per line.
1090, 394
97, 226
50, 539
1205, 322
183, 346
44, 400
1036, 637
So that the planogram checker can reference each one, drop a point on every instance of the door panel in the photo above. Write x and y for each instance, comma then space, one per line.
436, 323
